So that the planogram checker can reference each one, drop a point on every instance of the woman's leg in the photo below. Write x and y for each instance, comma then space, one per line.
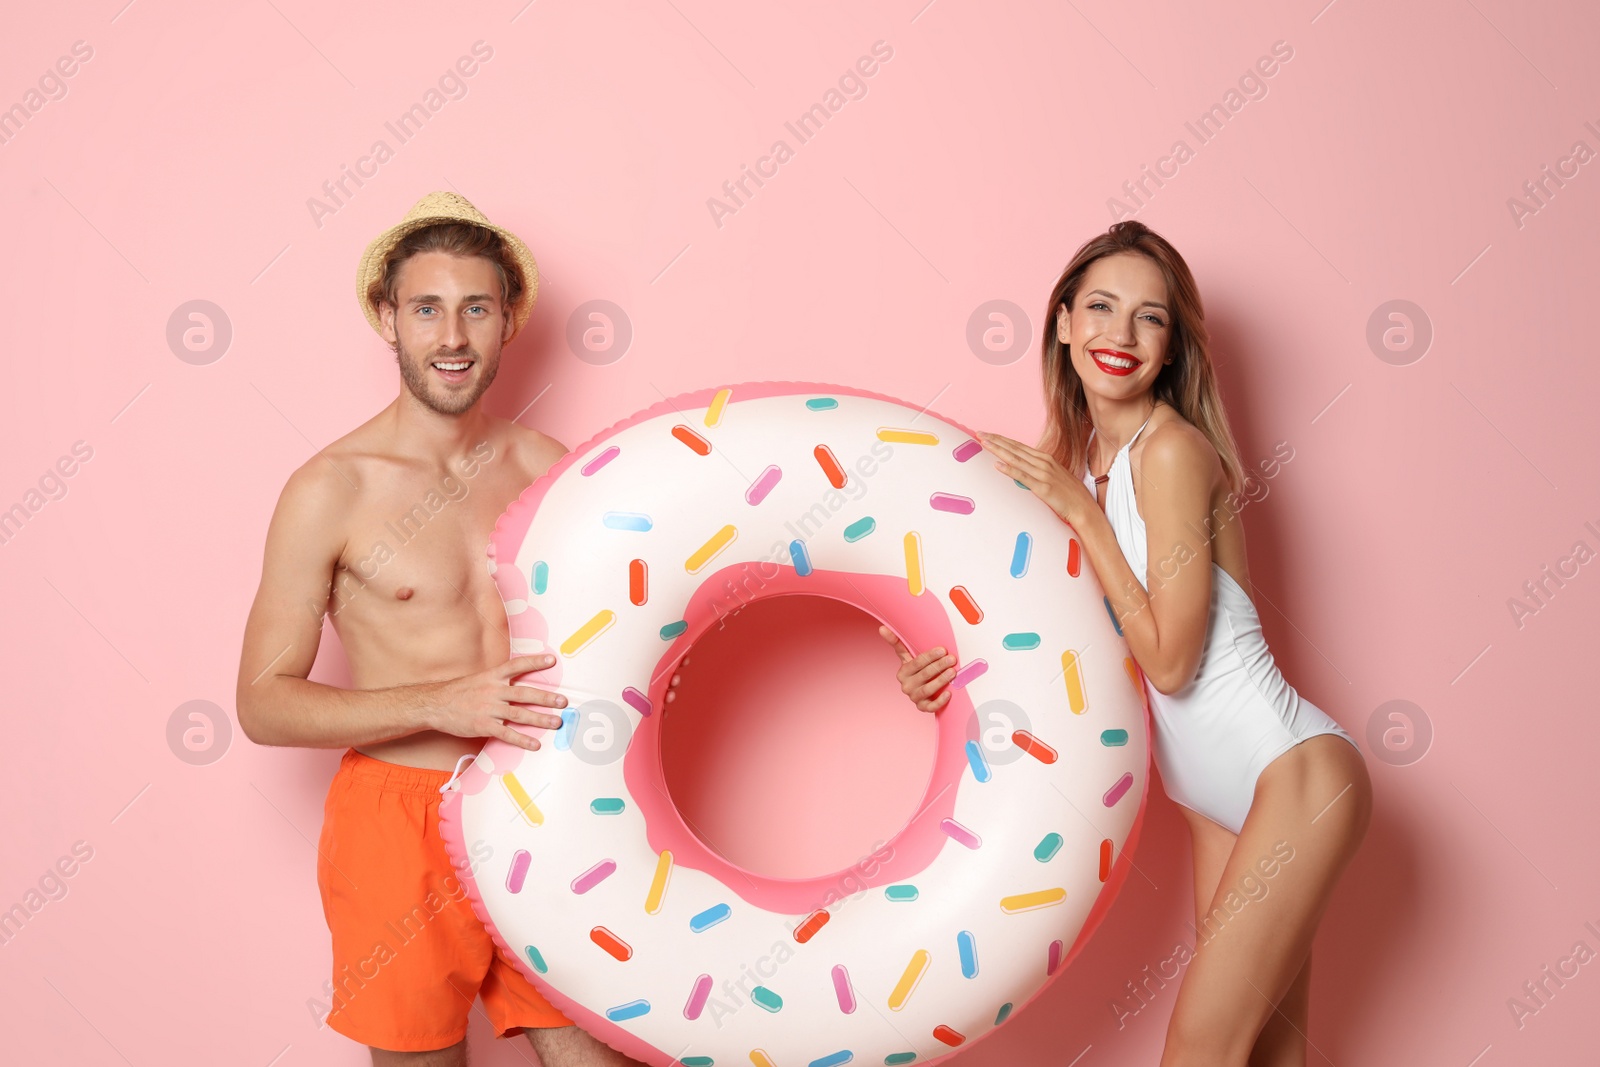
1281, 1043
1310, 811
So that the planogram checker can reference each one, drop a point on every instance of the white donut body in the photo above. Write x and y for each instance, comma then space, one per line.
640, 933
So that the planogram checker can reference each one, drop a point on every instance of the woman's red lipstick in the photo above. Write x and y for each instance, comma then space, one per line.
1109, 368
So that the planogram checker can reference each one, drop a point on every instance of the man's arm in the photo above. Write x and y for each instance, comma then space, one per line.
277, 704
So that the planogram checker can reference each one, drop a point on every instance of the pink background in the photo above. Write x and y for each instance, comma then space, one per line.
1420, 497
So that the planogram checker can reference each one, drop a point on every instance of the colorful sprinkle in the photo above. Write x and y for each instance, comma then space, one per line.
594, 876
900, 894
913, 542
1004, 1013
860, 528
830, 465
673, 629
1114, 794
1020, 902
842, 990
607, 806
636, 700
979, 765
626, 520
895, 1058
759, 1057
966, 450
1132, 670
698, 995
709, 918
599, 461
833, 1060
1073, 673
1053, 959
709, 551
1074, 556
813, 922
908, 979
906, 437
1019, 642
956, 505
956, 832
588, 632
1021, 554
536, 959
1115, 625
967, 673
763, 485
568, 727
1033, 746
1113, 738
965, 604
948, 1036
822, 403
801, 558
697, 444
1047, 847
766, 998
519, 796
638, 581
1105, 859
697, 1061
631, 1010
615, 947
519, 871
658, 884
718, 403
967, 948
541, 577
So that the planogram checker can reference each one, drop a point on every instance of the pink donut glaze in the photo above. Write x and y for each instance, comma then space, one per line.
920, 621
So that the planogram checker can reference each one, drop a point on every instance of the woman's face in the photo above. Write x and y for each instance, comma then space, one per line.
1120, 326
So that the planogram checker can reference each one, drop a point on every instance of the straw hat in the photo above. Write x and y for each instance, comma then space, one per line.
444, 207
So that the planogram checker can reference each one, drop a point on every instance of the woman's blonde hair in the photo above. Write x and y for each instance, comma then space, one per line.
1188, 383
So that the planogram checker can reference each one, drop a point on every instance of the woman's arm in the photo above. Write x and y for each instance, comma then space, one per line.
1165, 627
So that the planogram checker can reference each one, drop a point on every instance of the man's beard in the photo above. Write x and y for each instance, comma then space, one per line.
417, 374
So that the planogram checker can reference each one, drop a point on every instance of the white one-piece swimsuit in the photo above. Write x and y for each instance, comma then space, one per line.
1217, 734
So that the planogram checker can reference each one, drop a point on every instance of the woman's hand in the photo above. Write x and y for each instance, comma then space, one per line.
921, 677
1066, 494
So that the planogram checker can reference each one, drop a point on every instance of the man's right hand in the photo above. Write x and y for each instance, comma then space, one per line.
485, 704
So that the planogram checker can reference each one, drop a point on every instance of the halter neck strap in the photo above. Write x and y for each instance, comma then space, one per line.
1131, 440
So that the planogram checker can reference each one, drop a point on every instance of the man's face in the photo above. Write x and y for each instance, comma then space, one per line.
449, 313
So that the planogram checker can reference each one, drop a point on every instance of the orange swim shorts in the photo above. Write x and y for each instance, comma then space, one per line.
409, 954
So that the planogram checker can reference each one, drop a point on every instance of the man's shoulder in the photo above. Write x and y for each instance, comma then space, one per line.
533, 451
325, 484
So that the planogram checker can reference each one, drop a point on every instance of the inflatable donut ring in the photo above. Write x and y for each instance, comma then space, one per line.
635, 544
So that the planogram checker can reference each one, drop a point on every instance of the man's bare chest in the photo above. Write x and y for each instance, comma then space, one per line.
421, 542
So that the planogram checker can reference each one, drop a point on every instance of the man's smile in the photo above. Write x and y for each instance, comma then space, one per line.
453, 370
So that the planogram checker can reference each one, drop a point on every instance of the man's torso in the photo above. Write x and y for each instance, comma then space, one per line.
412, 599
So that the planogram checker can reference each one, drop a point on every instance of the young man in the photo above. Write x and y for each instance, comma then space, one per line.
384, 531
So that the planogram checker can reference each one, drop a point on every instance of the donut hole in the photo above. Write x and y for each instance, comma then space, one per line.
789, 749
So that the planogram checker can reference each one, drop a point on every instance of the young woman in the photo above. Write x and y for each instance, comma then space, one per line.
1138, 459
